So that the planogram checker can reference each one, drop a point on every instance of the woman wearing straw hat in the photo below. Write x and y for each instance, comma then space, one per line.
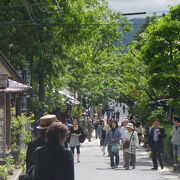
45, 122
130, 145
52, 161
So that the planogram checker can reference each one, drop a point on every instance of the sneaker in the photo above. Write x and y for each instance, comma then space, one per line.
113, 167
133, 167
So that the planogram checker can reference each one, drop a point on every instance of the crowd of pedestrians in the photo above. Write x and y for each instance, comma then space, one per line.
51, 155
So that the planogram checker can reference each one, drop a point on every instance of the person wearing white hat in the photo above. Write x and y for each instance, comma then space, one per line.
130, 145
45, 122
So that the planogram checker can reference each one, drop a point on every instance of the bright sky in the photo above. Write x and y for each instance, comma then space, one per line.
127, 6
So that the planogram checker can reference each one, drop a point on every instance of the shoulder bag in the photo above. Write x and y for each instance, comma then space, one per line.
126, 144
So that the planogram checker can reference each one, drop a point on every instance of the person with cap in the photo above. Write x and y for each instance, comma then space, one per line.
45, 122
130, 151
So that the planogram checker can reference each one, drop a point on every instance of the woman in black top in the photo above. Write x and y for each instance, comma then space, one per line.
53, 161
75, 132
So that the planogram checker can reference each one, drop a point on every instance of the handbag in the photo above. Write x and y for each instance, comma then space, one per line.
115, 148
126, 144
82, 137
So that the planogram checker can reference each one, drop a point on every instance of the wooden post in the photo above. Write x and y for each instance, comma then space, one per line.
8, 120
18, 104
2, 124
3, 86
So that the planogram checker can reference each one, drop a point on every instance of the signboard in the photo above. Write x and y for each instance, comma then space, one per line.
2, 124
3, 81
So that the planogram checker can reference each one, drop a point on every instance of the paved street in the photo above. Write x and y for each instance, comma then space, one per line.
94, 166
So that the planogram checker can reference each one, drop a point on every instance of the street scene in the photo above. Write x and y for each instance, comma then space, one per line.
89, 89
95, 166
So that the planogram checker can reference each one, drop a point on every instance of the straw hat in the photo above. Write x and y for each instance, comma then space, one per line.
46, 121
130, 125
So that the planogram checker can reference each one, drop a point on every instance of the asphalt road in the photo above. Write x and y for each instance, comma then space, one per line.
94, 166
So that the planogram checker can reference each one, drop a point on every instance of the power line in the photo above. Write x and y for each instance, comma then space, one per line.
32, 23
131, 14
31, 4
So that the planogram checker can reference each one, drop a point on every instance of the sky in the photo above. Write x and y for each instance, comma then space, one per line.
128, 6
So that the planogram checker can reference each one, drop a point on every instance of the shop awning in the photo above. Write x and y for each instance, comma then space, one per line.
70, 100
16, 87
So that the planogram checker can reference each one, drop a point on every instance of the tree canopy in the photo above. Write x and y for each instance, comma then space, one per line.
73, 44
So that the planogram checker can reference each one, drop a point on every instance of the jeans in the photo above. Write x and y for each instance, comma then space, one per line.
176, 153
116, 155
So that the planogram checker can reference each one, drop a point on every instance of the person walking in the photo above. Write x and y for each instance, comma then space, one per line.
113, 140
52, 161
176, 140
107, 128
139, 130
101, 135
96, 124
45, 122
90, 128
131, 138
123, 130
156, 138
117, 115
124, 109
75, 132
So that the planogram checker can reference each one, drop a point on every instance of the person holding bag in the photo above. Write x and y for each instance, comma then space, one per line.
76, 137
113, 141
130, 145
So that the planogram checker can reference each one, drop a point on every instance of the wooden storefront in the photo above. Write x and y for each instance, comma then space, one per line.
11, 90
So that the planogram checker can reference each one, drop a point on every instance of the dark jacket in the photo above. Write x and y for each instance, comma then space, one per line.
31, 147
53, 163
161, 136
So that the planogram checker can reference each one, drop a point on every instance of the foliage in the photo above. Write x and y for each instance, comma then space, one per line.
20, 129
168, 150
161, 54
158, 113
66, 44
153, 67
38, 108
7, 168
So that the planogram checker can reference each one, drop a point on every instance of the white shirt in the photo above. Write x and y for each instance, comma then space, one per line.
123, 130
134, 142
